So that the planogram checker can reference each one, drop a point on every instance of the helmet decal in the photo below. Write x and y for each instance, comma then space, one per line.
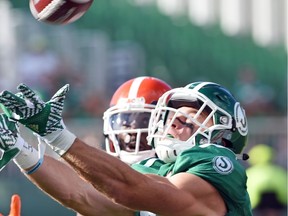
222, 165
240, 118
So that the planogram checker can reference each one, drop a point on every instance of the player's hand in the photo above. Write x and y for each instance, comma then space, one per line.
42, 118
11, 142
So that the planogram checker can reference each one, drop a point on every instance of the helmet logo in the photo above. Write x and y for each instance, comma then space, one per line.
240, 118
136, 101
222, 165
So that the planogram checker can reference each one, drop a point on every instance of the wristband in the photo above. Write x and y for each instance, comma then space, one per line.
62, 142
36, 167
27, 158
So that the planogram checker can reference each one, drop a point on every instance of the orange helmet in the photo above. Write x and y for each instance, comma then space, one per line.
126, 121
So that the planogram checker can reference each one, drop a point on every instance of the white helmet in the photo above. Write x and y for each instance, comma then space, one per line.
229, 128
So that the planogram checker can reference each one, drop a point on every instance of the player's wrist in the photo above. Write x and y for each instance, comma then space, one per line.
28, 156
60, 141
35, 167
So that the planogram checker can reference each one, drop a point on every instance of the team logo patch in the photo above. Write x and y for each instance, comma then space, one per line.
222, 165
240, 118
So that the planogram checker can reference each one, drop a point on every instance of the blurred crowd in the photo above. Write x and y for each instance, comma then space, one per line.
47, 71
255, 96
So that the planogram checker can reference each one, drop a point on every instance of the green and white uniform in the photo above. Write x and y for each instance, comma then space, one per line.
213, 163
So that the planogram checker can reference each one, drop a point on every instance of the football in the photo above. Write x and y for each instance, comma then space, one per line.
59, 11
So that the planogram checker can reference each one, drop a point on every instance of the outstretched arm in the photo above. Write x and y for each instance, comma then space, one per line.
63, 184
52, 176
180, 194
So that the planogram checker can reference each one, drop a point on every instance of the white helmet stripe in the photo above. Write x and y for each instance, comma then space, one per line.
135, 86
201, 85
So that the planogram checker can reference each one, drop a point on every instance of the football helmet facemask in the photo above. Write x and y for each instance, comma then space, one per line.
126, 121
229, 127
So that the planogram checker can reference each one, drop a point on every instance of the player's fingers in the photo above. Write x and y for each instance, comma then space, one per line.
29, 94
15, 207
3, 121
60, 95
10, 100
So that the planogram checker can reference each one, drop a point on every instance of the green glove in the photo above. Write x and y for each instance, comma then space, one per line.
42, 118
10, 142
13, 146
45, 119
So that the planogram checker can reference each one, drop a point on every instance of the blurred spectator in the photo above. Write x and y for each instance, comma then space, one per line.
43, 69
256, 97
66, 73
267, 183
95, 103
38, 64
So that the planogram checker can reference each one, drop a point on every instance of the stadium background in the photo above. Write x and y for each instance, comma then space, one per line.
178, 41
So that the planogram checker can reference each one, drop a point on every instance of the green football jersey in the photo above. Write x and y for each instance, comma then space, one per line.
213, 163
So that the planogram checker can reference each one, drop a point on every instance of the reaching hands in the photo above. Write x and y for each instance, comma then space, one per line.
10, 141
8, 134
44, 118
13, 146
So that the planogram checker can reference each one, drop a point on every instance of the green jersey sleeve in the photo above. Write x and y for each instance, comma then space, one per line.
216, 165
220, 167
